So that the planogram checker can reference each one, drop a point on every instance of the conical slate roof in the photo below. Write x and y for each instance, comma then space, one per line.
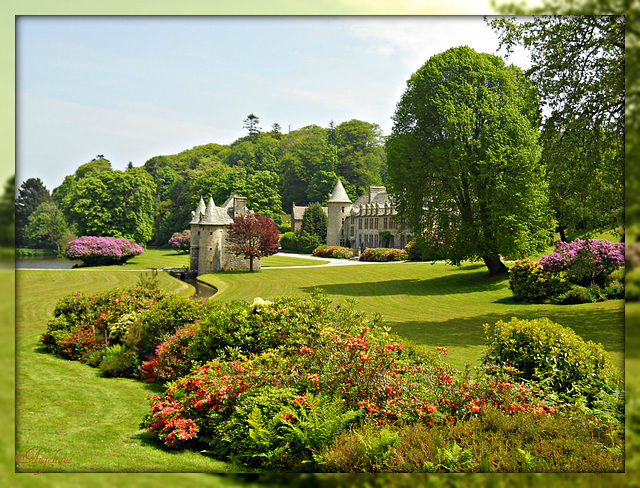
199, 212
339, 195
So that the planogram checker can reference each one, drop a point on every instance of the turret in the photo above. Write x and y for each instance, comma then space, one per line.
339, 206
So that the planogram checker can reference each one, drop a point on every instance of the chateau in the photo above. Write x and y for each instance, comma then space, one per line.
360, 224
209, 247
367, 222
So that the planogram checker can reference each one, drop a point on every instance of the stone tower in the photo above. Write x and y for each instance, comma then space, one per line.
209, 247
338, 207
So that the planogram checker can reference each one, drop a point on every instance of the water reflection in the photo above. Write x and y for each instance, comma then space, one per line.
46, 262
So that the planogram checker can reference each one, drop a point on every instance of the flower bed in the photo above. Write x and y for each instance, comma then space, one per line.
382, 254
337, 252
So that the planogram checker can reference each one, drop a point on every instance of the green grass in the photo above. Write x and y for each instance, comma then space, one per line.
284, 261
93, 420
429, 304
164, 258
67, 406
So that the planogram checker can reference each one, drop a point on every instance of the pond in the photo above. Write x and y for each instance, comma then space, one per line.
45, 262
39, 262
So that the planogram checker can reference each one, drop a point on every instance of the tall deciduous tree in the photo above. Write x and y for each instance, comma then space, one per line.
578, 65
48, 229
253, 236
463, 155
113, 204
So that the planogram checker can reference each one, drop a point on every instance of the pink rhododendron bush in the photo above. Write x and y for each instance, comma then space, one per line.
286, 383
102, 250
580, 271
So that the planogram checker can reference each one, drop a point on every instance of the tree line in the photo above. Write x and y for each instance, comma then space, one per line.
151, 202
485, 159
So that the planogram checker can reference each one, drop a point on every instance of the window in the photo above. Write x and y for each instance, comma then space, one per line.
211, 233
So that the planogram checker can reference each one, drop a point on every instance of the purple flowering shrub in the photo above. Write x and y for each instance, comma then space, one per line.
102, 250
585, 261
181, 241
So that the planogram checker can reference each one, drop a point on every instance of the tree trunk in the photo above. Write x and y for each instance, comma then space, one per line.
560, 230
495, 265
250, 264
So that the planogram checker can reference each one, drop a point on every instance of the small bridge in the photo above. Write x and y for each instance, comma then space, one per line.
180, 273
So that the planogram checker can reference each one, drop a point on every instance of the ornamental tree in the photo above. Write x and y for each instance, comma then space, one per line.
253, 236
464, 155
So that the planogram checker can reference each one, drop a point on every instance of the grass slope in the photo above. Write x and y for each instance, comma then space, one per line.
429, 304
66, 407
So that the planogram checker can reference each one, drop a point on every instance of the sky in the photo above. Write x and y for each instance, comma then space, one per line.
134, 87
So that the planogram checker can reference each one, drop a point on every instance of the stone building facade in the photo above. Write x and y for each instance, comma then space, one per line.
365, 222
209, 246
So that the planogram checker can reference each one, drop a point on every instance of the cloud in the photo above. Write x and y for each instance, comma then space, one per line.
415, 39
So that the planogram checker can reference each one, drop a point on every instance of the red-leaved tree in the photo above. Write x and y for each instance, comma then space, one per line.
253, 236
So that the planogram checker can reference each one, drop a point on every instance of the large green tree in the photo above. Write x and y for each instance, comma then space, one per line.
464, 160
578, 66
113, 203
48, 228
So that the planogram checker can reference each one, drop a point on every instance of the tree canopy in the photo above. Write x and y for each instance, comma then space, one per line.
314, 221
578, 66
463, 157
114, 204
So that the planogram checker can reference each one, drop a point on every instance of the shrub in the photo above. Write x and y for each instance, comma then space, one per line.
82, 323
337, 252
530, 282
171, 359
426, 248
585, 261
552, 355
102, 250
300, 242
156, 324
181, 241
118, 361
577, 294
490, 442
382, 254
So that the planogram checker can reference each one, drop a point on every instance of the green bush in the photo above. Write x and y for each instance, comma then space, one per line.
300, 242
529, 282
553, 356
382, 254
575, 295
337, 252
155, 325
118, 361
491, 442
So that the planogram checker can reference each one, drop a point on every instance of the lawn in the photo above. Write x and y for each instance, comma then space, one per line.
67, 406
94, 421
429, 304
165, 258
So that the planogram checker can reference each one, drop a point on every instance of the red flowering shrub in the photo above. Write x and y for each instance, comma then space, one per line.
171, 359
